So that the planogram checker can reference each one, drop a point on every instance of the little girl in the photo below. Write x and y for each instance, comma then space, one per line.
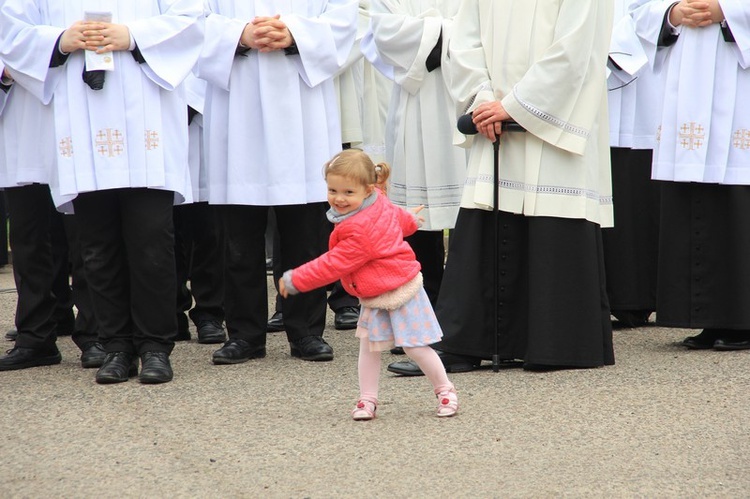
367, 252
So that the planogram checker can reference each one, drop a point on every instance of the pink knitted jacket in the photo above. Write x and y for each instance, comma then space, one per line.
367, 252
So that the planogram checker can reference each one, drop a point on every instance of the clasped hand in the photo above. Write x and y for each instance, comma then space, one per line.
696, 13
96, 36
266, 34
488, 118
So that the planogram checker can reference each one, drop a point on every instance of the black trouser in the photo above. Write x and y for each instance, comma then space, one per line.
429, 247
246, 292
32, 215
199, 255
85, 329
127, 241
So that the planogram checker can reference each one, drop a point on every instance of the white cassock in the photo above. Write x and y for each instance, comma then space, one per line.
704, 129
560, 167
27, 138
272, 120
131, 133
195, 90
427, 169
635, 91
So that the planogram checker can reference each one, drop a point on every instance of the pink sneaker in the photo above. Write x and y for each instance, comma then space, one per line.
364, 410
447, 404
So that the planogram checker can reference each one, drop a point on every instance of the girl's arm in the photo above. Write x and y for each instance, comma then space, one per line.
349, 254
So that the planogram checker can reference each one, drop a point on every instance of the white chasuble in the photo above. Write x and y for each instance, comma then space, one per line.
131, 133
427, 169
704, 127
272, 120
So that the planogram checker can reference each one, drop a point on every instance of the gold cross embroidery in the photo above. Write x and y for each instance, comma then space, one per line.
66, 147
152, 140
110, 142
692, 136
741, 139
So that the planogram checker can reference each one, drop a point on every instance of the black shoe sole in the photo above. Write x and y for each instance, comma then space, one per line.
89, 364
155, 380
112, 380
320, 357
345, 327
43, 361
211, 340
224, 361
405, 372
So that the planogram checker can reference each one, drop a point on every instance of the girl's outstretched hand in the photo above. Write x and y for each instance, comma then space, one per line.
414, 211
282, 289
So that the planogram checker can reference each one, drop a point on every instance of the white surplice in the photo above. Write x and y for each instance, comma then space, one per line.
133, 132
364, 94
546, 61
704, 128
271, 119
427, 169
635, 90
195, 90
27, 138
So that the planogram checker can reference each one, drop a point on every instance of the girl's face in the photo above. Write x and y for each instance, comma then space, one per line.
346, 195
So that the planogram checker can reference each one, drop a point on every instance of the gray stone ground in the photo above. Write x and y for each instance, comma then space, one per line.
663, 422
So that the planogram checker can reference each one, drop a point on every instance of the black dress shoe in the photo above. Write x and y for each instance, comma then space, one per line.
453, 364
11, 335
117, 367
276, 323
155, 368
23, 358
630, 318
703, 341
236, 351
92, 355
311, 348
346, 318
211, 331
733, 340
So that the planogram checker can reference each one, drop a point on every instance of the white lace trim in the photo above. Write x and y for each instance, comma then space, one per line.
557, 190
543, 115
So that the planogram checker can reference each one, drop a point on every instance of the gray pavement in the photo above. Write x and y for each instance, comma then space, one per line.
662, 422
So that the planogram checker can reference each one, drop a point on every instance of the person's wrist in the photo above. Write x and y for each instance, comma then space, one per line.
675, 16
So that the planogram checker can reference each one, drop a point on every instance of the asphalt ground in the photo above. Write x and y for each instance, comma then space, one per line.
662, 422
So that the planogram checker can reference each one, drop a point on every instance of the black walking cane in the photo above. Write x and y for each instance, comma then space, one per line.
467, 127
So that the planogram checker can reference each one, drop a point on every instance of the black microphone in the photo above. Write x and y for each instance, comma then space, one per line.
466, 125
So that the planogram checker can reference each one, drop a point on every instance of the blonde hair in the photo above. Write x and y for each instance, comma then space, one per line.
354, 164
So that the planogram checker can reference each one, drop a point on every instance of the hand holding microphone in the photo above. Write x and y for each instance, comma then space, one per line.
486, 119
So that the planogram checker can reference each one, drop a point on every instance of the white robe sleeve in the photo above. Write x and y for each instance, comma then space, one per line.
217, 57
648, 17
737, 14
404, 41
27, 46
324, 42
179, 29
626, 51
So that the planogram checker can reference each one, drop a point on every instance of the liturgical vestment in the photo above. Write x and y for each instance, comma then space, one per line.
132, 132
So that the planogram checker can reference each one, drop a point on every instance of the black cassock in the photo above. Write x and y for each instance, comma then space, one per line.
552, 292
704, 256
